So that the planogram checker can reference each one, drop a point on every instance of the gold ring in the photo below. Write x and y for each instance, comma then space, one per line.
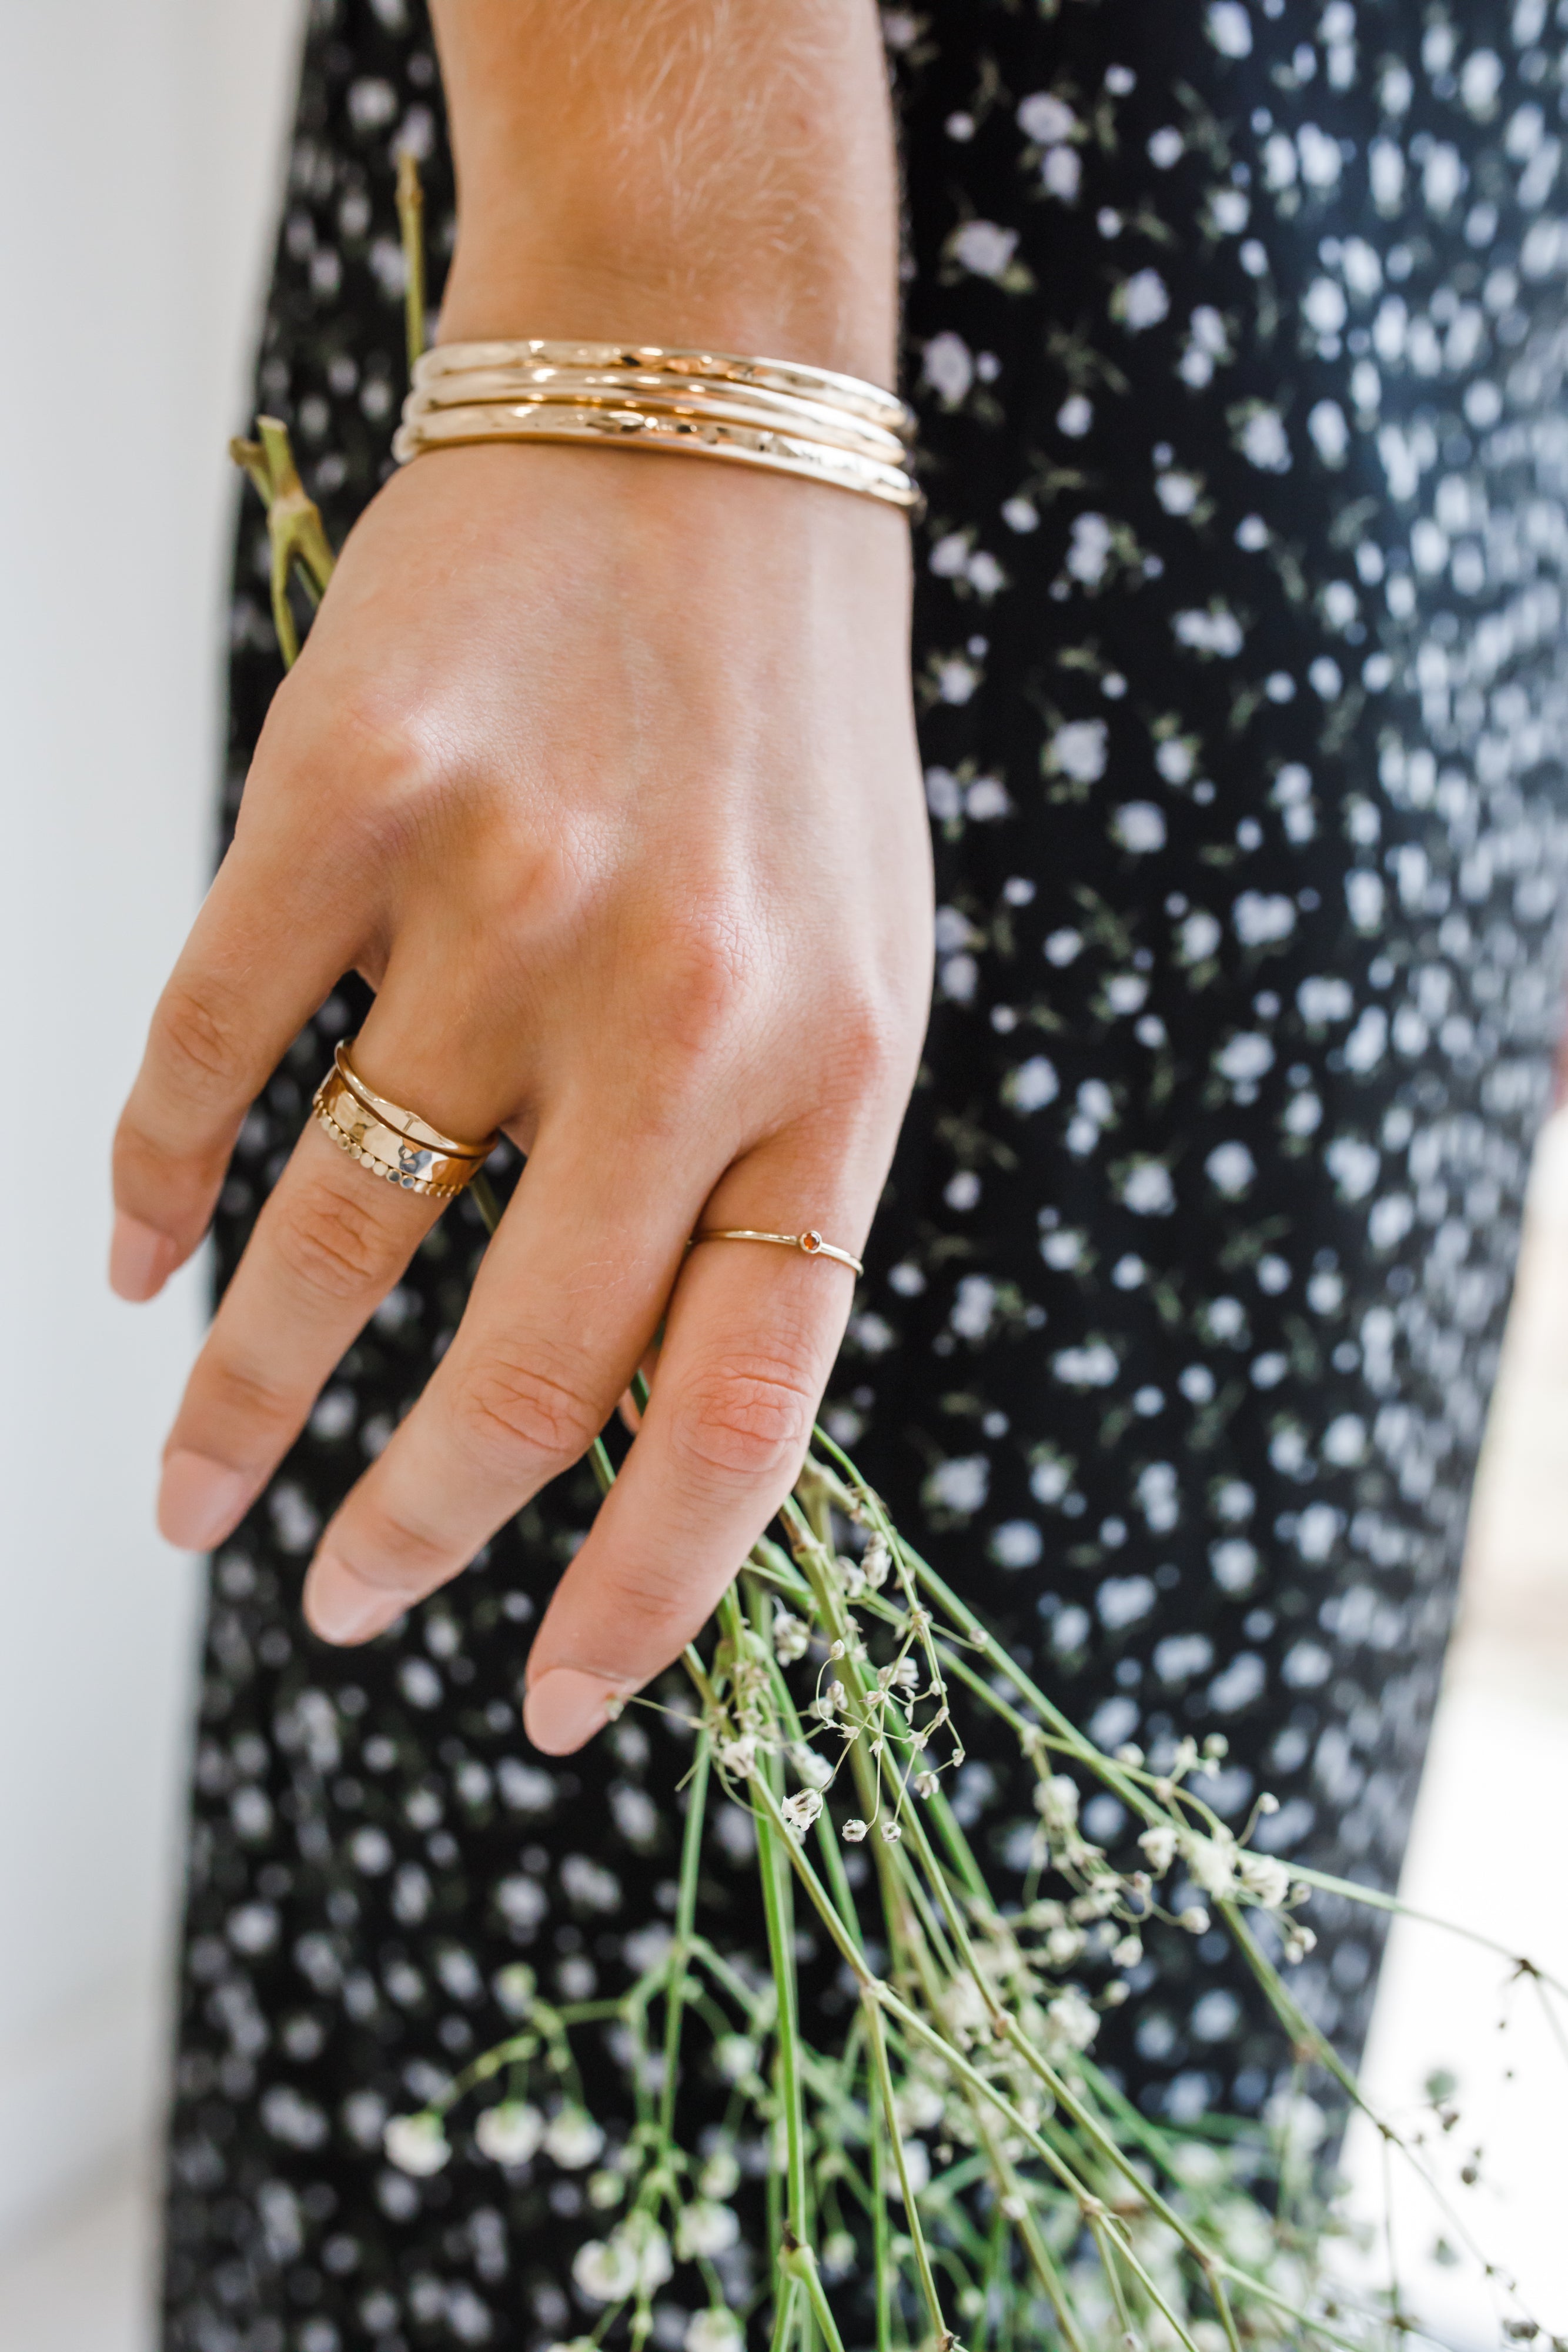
392, 1143
809, 1243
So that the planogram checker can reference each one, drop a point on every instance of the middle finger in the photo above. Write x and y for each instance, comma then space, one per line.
565, 1303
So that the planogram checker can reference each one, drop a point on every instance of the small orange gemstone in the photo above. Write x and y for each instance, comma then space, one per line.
812, 1243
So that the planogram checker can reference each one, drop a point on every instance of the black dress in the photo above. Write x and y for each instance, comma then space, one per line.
1240, 358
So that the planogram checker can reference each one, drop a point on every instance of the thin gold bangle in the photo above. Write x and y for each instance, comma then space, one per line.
631, 428
852, 395
657, 394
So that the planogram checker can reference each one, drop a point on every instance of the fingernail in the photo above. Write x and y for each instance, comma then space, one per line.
565, 1707
342, 1607
141, 1259
200, 1499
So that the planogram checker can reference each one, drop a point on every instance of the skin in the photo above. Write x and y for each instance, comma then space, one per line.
601, 767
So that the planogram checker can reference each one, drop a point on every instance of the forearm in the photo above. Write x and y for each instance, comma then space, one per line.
688, 172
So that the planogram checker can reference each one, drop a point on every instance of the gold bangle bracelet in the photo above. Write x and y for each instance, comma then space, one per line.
631, 428
778, 414
672, 395
851, 395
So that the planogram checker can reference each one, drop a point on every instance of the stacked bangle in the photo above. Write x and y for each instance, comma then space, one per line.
775, 414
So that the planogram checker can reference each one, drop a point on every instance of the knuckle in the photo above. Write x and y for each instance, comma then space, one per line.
745, 1421
869, 1048
708, 968
385, 761
198, 1035
166, 1187
512, 1405
646, 1613
384, 1549
238, 1398
331, 1242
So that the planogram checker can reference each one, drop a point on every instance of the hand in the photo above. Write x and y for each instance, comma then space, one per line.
601, 768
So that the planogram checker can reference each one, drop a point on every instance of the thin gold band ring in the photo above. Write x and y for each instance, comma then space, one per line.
809, 1243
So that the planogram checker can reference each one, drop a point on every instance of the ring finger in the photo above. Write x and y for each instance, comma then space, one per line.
331, 1243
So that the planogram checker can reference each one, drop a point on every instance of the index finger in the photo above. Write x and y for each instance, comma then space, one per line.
269, 944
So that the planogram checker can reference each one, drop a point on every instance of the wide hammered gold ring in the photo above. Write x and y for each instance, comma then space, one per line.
809, 1243
392, 1142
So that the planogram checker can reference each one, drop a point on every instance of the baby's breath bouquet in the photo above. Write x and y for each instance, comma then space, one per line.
943, 2164
954, 2169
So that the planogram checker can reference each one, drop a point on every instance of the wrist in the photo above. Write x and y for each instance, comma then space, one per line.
707, 173
573, 287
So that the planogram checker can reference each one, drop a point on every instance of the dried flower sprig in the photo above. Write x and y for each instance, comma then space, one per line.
960, 2134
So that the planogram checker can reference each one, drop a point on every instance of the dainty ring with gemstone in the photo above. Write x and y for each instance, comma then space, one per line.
809, 1243
391, 1141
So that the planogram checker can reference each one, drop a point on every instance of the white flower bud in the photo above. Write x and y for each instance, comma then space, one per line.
791, 1637
704, 2228
417, 2144
714, 2330
573, 2140
892, 1832
720, 2176
1212, 1861
801, 1810
855, 1831
510, 2133
735, 2054
1160, 1844
1265, 1878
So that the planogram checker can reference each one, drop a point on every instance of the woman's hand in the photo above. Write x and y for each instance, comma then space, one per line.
601, 767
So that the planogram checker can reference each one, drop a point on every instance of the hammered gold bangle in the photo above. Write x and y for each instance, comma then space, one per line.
779, 416
672, 396
849, 394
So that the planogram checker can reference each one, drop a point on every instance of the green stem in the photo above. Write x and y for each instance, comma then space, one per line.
877, 2040
685, 1920
1217, 2288
881, 2233
411, 222
1118, 2236
799, 2266
1103, 2244
777, 1911
482, 1193
784, 2316
1371, 1897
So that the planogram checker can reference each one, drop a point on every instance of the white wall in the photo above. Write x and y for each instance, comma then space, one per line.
140, 142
